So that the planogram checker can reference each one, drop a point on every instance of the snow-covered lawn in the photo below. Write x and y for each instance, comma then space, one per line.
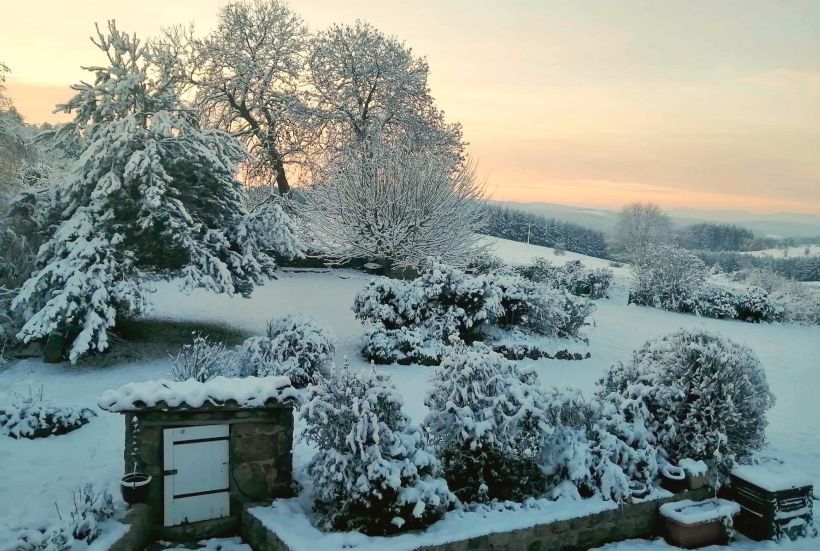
37, 474
791, 252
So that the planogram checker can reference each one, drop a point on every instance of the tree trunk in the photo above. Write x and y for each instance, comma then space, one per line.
281, 179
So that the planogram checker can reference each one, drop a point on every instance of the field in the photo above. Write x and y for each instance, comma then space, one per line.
46, 471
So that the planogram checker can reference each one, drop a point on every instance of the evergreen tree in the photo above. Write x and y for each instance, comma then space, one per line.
153, 194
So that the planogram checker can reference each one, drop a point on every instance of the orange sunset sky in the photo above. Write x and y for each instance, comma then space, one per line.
705, 104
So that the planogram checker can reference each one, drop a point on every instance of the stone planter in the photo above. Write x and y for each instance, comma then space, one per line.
692, 524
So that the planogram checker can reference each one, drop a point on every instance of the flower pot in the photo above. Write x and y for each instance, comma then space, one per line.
134, 487
697, 473
673, 478
639, 489
692, 524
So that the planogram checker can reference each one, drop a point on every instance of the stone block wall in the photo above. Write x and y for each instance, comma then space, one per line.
630, 521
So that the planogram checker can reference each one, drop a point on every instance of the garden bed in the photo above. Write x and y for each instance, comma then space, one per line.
561, 524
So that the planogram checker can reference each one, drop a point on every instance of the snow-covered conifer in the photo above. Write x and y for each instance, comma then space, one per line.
486, 418
374, 471
152, 194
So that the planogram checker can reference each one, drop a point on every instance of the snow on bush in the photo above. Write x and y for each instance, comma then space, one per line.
664, 276
296, 346
707, 396
599, 446
373, 471
202, 360
33, 417
572, 276
91, 508
415, 321
485, 421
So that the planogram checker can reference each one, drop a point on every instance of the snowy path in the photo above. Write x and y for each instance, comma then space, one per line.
37, 474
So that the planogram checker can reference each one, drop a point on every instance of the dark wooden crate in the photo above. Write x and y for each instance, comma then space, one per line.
764, 514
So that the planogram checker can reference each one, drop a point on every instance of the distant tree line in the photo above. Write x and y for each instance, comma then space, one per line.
715, 237
517, 225
806, 268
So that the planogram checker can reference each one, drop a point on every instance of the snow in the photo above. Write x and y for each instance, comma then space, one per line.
693, 467
689, 513
47, 470
245, 392
791, 252
772, 478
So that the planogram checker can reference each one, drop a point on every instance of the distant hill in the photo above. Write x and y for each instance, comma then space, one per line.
781, 224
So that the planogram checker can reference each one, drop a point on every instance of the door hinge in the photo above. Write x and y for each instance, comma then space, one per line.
169, 472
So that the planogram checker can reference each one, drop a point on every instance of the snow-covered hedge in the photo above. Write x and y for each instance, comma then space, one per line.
33, 417
296, 346
91, 508
572, 276
373, 472
416, 321
707, 396
486, 420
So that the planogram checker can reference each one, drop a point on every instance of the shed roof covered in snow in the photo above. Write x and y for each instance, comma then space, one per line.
219, 392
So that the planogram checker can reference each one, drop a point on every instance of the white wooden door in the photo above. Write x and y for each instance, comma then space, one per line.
196, 473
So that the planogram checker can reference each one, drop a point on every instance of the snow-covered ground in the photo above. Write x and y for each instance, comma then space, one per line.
37, 474
790, 252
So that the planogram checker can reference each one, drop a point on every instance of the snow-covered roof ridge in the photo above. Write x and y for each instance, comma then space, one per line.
247, 392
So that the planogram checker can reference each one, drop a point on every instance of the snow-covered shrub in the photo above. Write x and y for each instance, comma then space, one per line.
373, 471
91, 508
413, 321
485, 420
793, 301
296, 346
599, 446
754, 305
572, 276
486, 263
202, 360
33, 417
665, 276
707, 396
712, 301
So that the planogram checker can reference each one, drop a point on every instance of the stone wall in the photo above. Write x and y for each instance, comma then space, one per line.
636, 520
261, 442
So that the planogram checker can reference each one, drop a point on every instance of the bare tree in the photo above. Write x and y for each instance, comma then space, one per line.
245, 75
640, 226
397, 206
365, 85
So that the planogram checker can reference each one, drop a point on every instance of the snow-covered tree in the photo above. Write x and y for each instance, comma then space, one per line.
665, 276
373, 471
365, 85
297, 346
390, 204
246, 74
639, 226
707, 395
152, 194
486, 419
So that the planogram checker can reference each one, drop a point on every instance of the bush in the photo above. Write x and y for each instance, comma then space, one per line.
600, 447
415, 321
707, 396
665, 276
33, 417
373, 471
572, 276
296, 346
485, 421
202, 360
90, 509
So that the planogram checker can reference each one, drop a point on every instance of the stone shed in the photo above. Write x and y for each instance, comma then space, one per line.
210, 448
